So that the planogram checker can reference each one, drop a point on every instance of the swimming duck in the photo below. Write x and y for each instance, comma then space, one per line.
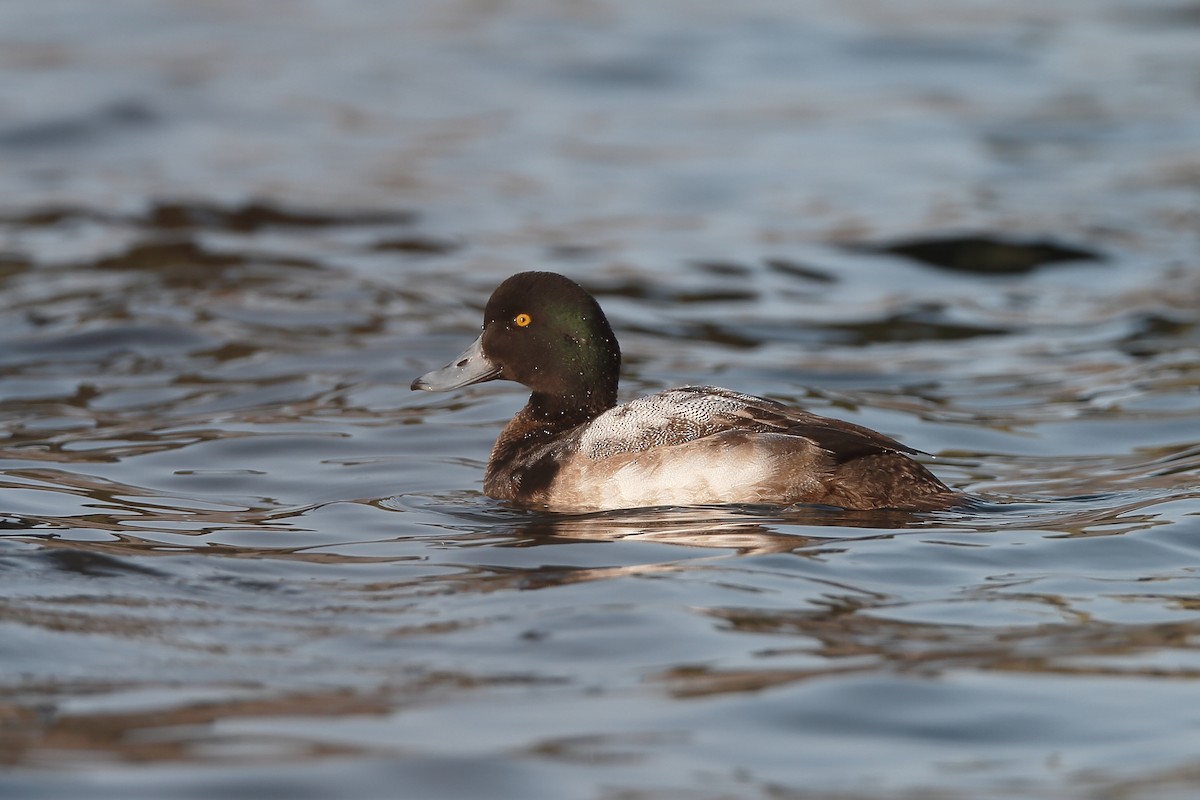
572, 448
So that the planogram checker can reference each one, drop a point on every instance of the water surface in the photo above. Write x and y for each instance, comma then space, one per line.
239, 557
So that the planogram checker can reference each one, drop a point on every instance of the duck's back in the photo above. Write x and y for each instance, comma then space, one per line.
706, 445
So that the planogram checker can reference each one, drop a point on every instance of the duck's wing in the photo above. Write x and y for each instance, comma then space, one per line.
683, 415
845, 440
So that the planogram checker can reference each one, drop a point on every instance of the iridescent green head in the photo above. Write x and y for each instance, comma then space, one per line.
542, 330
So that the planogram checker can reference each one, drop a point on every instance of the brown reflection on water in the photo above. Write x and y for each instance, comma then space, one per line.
41, 736
744, 530
848, 639
247, 217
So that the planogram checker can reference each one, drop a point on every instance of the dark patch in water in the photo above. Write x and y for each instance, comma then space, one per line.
662, 294
48, 216
230, 351
715, 296
160, 256
15, 522
258, 214
1175, 16
1157, 333
115, 117
417, 245
12, 264
706, 332
717, 334
798, 270
634, 290
92, 565
923, 323
571, 252
723, 268
247, 217
983, 255
184, 263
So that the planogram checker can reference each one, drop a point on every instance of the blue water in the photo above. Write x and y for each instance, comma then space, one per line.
239, 558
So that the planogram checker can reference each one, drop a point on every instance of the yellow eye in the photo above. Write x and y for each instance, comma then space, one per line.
522, 320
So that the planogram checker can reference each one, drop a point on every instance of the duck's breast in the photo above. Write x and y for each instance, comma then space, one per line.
725, 467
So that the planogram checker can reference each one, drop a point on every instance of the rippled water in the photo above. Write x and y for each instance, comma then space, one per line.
238, 557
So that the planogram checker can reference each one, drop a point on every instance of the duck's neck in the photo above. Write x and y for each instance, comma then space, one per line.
557, 413
545, 417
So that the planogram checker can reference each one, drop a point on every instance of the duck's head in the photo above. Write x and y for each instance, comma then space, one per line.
545, 331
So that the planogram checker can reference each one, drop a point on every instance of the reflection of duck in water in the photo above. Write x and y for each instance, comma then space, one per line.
746, 530
573, 448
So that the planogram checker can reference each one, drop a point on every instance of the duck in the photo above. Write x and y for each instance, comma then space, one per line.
573, 448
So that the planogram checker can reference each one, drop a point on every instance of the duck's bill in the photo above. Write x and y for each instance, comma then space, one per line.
470, 367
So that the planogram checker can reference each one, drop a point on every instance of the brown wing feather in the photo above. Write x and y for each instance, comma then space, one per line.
844, 440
